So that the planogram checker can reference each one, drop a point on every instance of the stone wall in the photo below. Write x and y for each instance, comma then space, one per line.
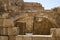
18, 11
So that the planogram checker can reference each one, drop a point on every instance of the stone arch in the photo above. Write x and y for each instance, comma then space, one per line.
43, 26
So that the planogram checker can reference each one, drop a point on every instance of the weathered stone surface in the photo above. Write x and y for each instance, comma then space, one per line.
40, 38
27, 38
57, 32
3, 37
13, 31
1, 31
6, 22
9, 31
1, 22
33, 37
4, 31
19, 38
57, 38
32, 6
16, 11
12, 37
42, 26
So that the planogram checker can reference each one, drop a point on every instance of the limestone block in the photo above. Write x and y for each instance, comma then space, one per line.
27, 38
1, 31
12, 37
13, 8
57, 32
4, 31
13, 31
51, 38
5, 15
1, 22
19, 38
3, 37
8, 23
40, 38
9, 31
57, 38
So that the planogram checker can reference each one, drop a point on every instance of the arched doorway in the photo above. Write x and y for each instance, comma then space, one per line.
22, 27
42, 26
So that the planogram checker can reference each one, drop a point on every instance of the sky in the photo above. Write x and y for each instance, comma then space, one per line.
47, 4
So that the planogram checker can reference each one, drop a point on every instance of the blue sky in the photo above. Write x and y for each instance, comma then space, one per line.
47, 4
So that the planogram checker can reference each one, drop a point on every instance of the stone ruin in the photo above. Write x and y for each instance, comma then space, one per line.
18, 18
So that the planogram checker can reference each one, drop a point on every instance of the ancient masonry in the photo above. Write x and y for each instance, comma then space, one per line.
18, 18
